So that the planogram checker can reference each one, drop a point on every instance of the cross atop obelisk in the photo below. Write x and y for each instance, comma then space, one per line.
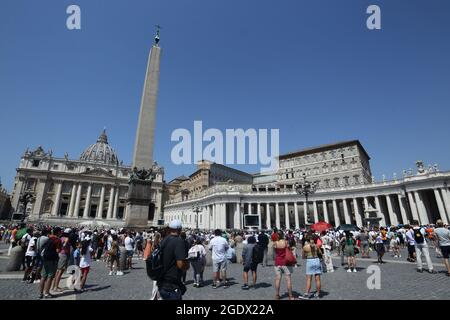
143, 148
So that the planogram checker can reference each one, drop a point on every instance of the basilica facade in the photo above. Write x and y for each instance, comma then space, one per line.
72, 191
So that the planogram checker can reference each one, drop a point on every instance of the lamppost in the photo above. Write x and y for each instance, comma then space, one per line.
196, 208
24, 199
305, 187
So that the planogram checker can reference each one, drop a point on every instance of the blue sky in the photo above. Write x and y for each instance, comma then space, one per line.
310, 68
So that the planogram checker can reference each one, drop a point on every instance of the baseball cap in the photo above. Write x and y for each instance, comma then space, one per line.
175, 224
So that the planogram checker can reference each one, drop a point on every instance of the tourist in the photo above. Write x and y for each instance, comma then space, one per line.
157, 238
139, 240
395, 245
183, 237
421, 248
30, 257
114, 255
77, 254
409, 235
263, 241
363, 237
442, 235
219, 246
312, 253
249, 260
327, 243
85, 261
197, 257
280, 247
174, 256
129, 247
49, 248
349, 251
63, 259
379, 247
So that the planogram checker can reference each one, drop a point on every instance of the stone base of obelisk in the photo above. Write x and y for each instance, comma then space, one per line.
138, 204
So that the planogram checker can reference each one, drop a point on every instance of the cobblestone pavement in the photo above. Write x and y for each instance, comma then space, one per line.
399, 280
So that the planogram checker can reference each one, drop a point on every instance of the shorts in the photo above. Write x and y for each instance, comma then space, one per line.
287, 270
219, 266
445, 251
130, 253
411, 249
62, 262
349, 251
85, 270
49, 268
30, 261
252, 267
313, 266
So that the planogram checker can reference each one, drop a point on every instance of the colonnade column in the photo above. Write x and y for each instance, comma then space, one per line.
116, 202
346, 214
237, 215
441, 207
73, 197
316, 212
391, 212
77, 201
402, 209
88, 202
297, 223
378, 205
55, 208
286, 214
337, 221
258, 211
277, 216
110, 203
305, 212
325, 211
413, 206
421, 208
100, 206
268, 220
358, 218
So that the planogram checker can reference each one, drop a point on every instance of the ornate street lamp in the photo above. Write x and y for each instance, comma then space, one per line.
305, 187
196, 208
24, 199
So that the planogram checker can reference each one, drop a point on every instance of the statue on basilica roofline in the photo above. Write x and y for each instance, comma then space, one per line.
420, 167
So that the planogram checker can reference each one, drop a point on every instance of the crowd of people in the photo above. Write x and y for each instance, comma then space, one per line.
49, 251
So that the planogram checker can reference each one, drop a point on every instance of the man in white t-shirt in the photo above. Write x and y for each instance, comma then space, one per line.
30, 254
219, 246
129, 246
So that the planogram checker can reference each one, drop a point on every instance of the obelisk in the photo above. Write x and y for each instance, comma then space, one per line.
139, 191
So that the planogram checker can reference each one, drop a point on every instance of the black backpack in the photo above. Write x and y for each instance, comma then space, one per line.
49, 251
418, 236
257, 254
154, 263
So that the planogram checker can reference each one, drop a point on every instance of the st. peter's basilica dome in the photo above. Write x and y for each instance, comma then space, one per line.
100, 152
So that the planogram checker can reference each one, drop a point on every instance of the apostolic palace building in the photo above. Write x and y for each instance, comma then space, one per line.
346, 193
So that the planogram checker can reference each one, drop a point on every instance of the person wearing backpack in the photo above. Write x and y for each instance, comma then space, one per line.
49, 250
173, 256
197, 257
421, 248
252, 254
263, 241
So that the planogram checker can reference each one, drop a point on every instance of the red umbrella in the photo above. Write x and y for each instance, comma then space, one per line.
321, 226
